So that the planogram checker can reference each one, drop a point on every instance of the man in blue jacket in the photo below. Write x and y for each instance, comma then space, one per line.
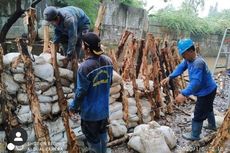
94, 78
201, 84
70, 23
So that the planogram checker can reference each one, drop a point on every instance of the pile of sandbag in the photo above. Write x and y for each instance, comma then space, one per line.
145, 106
117, 124
14, 79
152, 137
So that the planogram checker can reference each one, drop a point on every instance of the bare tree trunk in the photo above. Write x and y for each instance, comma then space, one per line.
71, 137
41, 130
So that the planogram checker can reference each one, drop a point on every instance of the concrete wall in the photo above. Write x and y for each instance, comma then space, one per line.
8, 7
120, 17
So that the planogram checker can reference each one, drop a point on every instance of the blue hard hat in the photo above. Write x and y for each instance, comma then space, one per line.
50, 13
184, 44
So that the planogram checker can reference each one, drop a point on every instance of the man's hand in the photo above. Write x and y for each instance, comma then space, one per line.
73, 111
165, 81
180, 99
65, 62
73, 115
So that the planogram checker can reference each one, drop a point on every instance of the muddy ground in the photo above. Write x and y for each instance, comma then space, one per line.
180, 123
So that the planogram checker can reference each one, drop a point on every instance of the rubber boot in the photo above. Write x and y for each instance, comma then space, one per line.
104, 140
94, 147
196, 131
211, 122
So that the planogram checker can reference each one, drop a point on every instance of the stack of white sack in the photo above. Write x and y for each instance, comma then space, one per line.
132, 106
14, 79
152, 137
117, 123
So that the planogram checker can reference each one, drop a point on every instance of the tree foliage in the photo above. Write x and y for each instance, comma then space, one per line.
133, 3
187, 19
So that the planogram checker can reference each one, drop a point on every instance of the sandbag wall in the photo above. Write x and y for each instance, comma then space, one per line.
45, 88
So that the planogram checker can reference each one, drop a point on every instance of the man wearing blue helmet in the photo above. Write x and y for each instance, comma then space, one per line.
201, 84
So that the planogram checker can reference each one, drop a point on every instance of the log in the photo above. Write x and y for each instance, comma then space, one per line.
122, 42
145, 74
125, 107
100, 17
114, 60
223, 135
196, 145
71, 137
139, 57
154, 73
46, 39
177, 108
41, 130
139, 107
162, 75
118, 141
30, 21
8, 119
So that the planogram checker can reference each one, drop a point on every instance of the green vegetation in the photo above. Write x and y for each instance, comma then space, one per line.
187, 19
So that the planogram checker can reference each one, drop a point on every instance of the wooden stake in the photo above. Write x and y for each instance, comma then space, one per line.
46, 39
223, 135
122, 42
100, 17
41, 130
71, 137
118, 141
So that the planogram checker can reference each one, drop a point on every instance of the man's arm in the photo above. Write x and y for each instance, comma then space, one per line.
179, 70
81, 90
57, 36
195, 81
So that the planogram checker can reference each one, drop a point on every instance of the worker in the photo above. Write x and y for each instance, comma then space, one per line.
201, 84
70, 23
92, 93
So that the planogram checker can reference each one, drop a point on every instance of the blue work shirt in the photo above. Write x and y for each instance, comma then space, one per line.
201, 82
73, 21
94, 78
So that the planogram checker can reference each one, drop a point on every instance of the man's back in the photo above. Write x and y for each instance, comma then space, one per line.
98, 76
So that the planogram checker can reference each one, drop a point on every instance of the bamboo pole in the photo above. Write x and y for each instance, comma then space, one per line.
41, 130
71, 137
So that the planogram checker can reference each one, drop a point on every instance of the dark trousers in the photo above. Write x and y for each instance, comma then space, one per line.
64, 42
93, 129
204, 106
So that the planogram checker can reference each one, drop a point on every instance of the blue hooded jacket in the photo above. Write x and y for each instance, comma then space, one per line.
201, 82
93, 87
73, 22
